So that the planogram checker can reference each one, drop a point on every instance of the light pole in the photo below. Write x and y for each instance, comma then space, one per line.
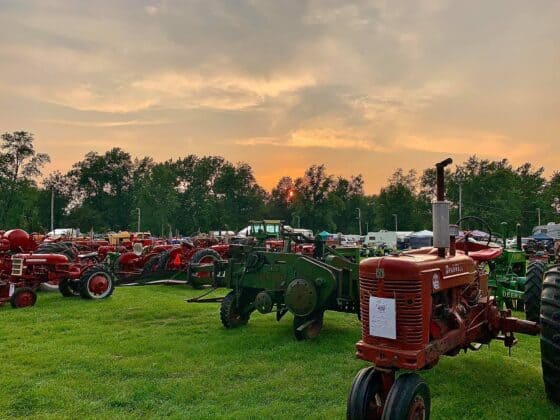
139, 216
52, 209
460, 201
539, 215
396, 222
359, 220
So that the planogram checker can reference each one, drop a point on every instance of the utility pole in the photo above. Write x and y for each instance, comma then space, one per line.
359, 220
539, 215
460, 201
396, 222
139, 216
52, 209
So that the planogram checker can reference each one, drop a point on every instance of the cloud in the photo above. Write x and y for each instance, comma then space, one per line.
317, 138
482, 144
374, 80
105, 124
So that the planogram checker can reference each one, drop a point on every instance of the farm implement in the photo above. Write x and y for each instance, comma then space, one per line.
283, 281
421, 305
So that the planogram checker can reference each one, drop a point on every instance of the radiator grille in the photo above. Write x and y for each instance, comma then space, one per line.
409, 307
17, 266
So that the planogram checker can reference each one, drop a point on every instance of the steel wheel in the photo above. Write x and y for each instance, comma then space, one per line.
312, 330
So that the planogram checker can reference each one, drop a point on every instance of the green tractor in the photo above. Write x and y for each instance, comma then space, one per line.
515, 282
283, 282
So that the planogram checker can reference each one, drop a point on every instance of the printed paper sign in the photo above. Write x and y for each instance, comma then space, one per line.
382, 317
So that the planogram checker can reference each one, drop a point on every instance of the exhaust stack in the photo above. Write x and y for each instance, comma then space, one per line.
440, 210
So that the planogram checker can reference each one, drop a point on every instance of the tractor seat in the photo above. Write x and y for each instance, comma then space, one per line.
487, 254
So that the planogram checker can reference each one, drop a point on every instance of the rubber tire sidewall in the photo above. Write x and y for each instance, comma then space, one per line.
87, 276
402, 394
550, 334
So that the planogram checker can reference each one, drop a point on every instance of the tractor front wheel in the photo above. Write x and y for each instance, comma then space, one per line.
23, 297
230, 314
366, 399
533, 288
69, 288
203, 256
308, 327
96, 282
550, 334
409, 398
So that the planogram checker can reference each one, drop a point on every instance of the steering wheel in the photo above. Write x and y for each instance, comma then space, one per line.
479, 220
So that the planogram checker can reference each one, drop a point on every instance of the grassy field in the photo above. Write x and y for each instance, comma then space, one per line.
146, 353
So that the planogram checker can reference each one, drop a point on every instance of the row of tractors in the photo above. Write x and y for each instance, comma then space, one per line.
92, 268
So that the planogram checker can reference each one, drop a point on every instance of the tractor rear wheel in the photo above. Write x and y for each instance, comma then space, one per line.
409, 398
366, 399
151, 266
308, 327
533, 288
69, 288
23, 297
550, 334
203, 256
96, 282
230, 314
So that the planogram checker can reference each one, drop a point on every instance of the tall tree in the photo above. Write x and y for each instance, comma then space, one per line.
20, 164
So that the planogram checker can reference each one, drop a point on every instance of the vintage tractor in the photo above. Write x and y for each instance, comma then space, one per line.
421, 305
283, 281
25, 268
164, 263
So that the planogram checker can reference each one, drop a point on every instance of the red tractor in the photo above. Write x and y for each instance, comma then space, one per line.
421, 305
164, 263
24, 267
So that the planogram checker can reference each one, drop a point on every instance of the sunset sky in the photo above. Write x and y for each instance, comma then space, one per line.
363, 87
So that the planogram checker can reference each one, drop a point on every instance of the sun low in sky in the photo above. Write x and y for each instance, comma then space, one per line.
364, 87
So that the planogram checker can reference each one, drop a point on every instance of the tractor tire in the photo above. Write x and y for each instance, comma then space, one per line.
151, 266
550, 334
409, 398
205, 255
311, 331
96, 282
69, 288
366, 398
62, 248
533, 289
230, 315
23, 297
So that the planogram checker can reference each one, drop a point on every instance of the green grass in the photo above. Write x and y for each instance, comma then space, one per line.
146, 353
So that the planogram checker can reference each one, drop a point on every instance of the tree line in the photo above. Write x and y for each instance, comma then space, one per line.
191, 194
